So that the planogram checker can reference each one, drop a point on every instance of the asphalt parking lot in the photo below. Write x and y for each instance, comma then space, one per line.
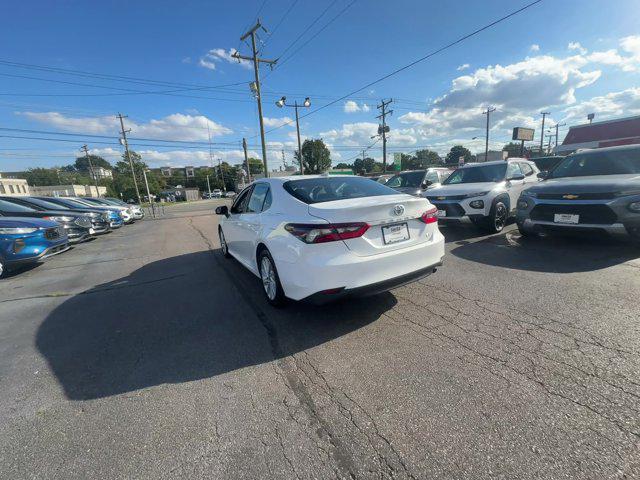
146, 354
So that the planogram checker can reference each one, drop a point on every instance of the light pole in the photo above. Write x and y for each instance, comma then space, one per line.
306, 104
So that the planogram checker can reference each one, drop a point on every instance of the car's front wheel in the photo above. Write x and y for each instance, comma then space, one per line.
224, 248
498, 217
1, 268
270, 279
525, 232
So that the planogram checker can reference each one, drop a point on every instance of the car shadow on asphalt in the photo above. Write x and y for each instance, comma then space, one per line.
548, 254
181, 319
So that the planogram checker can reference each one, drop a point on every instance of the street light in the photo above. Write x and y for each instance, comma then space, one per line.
307, 103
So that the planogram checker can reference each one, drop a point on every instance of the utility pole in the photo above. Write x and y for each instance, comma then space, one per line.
256, 63
307, 103
558, 125
208, 186
153, 210
123, 140
224, 187
544, 114
549, 136
93, 173
384, 129
487, 112
246, 159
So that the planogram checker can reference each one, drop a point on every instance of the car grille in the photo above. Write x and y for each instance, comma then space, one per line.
83, 222
593, 214
450, 197
452, 209
578, 196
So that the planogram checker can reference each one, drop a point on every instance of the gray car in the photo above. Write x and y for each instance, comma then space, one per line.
416, 182
593, 190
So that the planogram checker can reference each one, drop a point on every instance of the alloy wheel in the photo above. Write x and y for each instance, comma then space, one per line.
1, 269
268, 276
500, 217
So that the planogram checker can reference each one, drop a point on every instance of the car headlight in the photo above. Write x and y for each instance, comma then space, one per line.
476, 194
61, 218
17, 230
477, 204
627, 193
634, 207
523, 204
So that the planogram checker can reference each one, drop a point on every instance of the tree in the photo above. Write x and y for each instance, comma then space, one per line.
344, 166
428, 158
123, 181
513, 150
316, 157
255, 166
82, 164
455, 153
38, 177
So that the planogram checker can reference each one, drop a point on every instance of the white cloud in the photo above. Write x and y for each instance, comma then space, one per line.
614, 104
176, 158
351, 107
278, 122
462, 67
575, 46
627, 58
176, 126
535, 47
213, 57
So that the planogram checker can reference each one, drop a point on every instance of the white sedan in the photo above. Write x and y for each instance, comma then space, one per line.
319, 238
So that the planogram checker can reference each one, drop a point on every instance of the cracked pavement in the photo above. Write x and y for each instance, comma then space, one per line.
146, 354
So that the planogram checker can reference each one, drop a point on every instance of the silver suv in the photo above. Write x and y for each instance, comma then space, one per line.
592, 190
485, 193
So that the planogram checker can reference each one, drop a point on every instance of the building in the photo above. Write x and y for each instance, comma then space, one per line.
492, 156
100, 172
622, 131
13, 187
69, 191
181, 194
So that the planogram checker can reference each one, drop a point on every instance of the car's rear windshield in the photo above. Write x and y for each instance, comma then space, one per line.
485, 173
611, 162
547, 163
45, 204
406, 179
317, 190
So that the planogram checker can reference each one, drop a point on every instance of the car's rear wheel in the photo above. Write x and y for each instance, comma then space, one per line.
498, 217
270, 281
224, 248
1, 268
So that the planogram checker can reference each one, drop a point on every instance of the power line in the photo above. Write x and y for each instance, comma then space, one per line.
275, 29
421, 59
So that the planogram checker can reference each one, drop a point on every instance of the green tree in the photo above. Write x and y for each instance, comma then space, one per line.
39, 177
316, 157
513, 150
123, 180
344, 166
82, 164
362, 166
255, 166
455, 153
428, 158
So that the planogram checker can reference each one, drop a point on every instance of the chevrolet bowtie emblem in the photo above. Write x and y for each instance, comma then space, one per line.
570, 197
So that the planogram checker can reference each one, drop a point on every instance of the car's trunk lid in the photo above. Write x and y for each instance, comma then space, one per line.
378, 212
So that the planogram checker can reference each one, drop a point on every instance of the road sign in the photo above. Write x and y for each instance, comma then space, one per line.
523, 134
397, 161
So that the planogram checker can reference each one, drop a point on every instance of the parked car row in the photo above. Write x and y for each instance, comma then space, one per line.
34, 228
218, 193
318, 238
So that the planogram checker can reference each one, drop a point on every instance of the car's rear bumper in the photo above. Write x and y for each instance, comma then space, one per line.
338, 269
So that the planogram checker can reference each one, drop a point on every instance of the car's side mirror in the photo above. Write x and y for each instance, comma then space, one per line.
426, 183
543, 174
222, 210
517, 176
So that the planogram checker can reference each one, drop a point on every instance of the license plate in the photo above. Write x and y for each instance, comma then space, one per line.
442, 213
395, 233
566, 218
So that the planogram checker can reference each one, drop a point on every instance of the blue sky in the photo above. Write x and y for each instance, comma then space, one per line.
569, 57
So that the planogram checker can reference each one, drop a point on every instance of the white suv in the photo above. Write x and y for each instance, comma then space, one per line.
486, 193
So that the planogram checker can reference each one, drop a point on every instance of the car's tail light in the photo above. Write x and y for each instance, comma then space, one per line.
430, 216
314, 233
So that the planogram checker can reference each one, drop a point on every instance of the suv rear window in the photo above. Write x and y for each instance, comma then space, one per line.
317, 190
611, 162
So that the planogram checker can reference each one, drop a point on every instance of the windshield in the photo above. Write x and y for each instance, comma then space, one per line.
8, 207
486, 173
316, 190
406, 179
611, 162
48, 205
432, 177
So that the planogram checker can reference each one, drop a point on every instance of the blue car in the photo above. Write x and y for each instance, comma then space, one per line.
25, 241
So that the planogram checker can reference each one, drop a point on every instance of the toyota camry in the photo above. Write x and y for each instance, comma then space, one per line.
319, 238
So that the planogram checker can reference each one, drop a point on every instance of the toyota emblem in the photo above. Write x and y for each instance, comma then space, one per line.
398, 210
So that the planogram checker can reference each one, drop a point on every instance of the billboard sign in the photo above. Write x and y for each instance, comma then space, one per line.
523, 134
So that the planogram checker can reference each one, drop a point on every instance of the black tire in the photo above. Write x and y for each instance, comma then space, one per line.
525, 232
498, 217
271, 286
2, 268
224, 248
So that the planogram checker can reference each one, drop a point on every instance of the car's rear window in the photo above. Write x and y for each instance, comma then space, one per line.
317, 190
